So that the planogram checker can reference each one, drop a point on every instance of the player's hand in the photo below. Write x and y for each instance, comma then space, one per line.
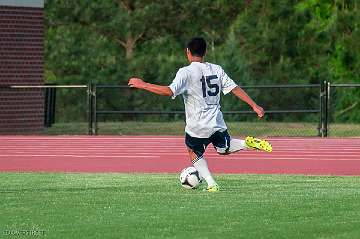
136, 83
259, 111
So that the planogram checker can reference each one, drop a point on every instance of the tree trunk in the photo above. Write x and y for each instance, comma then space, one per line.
129, 48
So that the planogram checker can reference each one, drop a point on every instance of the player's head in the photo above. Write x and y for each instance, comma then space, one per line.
196, 47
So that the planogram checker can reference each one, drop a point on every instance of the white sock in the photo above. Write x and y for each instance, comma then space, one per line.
201, 166
236, 145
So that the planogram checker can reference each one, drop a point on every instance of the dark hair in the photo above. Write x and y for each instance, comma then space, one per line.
197, 46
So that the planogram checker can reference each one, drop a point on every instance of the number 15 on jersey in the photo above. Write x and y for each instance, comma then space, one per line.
210, 89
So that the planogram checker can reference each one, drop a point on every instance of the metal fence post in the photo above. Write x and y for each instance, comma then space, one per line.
92, 109
327, 110
89, 98
321, 94
50, 100
323, 109
94, 113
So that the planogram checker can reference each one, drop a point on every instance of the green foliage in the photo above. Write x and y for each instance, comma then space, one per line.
257, 42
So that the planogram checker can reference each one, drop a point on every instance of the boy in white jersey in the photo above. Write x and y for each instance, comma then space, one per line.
200, 84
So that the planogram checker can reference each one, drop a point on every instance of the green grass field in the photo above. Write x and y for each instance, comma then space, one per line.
259, 129
155, 206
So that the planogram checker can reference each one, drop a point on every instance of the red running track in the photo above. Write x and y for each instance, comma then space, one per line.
154, 154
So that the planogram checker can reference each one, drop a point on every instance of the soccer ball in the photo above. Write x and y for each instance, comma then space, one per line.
190, 178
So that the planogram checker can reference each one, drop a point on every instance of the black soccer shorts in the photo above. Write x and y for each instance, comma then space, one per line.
218, 140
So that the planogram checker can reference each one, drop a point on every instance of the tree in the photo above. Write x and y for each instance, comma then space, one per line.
257, 42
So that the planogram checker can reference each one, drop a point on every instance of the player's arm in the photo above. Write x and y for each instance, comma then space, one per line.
241, 94
156, 89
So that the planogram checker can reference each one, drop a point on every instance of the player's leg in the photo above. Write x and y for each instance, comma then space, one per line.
226, 145
201, 166
249, 143
196, 148
237, 145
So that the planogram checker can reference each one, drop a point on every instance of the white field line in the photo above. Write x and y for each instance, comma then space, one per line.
122, 138
291, 159
241, 158
89, 138
155, 147
154, 140
177, 149
79, 156
150, 153
90, 147
104, 143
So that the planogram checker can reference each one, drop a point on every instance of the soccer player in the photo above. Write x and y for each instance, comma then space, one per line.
200, 85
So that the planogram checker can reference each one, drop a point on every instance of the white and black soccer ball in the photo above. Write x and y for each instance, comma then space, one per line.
190, 178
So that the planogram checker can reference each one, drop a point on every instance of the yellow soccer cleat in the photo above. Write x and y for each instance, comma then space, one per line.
212, 189
259, 144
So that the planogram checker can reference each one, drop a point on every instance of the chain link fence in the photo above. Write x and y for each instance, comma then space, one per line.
343, 110
291, 110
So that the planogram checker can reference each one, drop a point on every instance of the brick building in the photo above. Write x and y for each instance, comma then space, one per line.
21, 63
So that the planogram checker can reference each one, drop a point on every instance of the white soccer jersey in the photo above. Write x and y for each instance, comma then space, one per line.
200, 85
